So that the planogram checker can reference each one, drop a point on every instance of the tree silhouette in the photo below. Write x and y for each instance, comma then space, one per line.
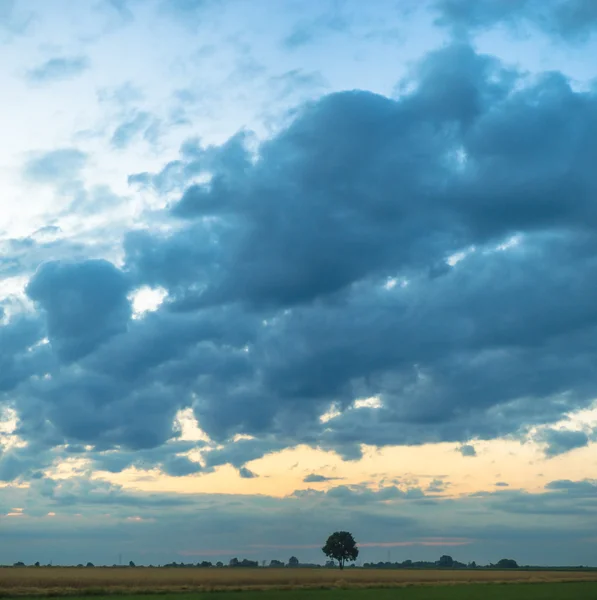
446, 561
507, 563
293, 561
342, 547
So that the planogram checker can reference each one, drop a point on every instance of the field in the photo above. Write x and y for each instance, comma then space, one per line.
328, 584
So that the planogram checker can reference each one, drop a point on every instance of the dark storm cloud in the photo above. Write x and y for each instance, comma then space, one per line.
58, 68
340, 195
314, 272
570, 20
361, 188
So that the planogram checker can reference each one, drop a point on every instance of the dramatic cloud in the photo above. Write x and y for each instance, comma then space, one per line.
58, 68
411, 250
319, 261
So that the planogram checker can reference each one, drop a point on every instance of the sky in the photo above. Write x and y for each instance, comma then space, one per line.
275, 268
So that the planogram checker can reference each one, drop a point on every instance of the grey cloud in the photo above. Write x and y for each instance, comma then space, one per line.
361, 495
58, 68
555, 501
242, 451
314, 162
316, 478
23, 462
168, 457
19, 356
437, 486
467, 450
560, 441
586, 488
85, 304
247, 473
180, 466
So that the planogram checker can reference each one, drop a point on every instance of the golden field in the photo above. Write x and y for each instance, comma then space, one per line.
58, 581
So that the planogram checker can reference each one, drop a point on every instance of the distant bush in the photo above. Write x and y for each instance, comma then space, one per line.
507, 563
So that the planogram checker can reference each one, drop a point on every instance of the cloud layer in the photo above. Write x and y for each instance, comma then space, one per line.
434, 251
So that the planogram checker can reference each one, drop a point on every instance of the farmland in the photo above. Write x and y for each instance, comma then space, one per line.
329, 584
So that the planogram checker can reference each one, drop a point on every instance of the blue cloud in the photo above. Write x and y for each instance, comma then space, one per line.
570, 20
142, 124
58, 69
311, 30
55, 166
13, 21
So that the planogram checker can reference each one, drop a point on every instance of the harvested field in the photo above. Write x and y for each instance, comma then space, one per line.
62, 581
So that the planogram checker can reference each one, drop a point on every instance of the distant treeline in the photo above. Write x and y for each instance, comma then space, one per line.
445, 562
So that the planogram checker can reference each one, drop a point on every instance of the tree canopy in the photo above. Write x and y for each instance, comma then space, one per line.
341, 546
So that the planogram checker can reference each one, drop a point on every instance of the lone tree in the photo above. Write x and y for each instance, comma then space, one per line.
341, 547
446, 561
507, 563
293, 561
